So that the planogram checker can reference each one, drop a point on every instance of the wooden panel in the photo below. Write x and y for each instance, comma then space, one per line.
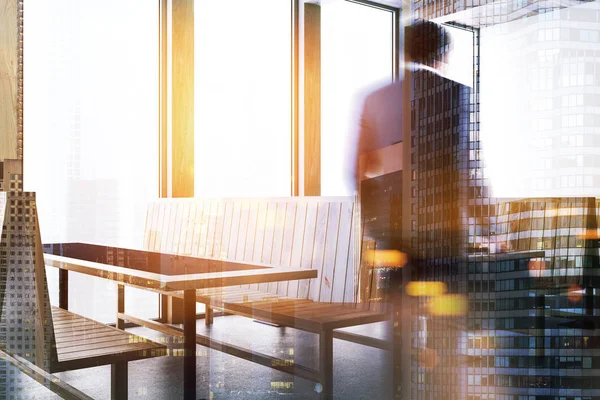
174, 247
219, 225
235, 227
242, 231
183, 98
183, 229
251, 231
308, 246
189, 229
312, 100
161, 208
150, 226
9, 79
197, 245
350, 283
267, 250
226, 234
163, 94
173, 207
288, 234
203, 227
330, 255
319, 249
159, 212
166, 223
211, 220
297, 246
259, 236
342, 264
286, 247
278, 240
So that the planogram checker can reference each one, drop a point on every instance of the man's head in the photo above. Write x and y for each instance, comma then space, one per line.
423, 41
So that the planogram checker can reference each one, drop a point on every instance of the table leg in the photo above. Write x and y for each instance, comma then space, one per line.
326, 363
118, 381
118, 375
189, 336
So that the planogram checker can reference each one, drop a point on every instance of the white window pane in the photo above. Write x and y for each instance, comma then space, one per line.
356, 57
91, 129
242, 98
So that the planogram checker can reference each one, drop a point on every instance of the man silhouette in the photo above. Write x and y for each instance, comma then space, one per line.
383, 122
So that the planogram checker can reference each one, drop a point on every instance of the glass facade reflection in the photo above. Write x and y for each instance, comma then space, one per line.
527, 265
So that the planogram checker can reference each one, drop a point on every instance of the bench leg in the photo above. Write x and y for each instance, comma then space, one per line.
63, 289
118, 381
208, 315
120, 305
164, 308
175, 310
326, 363
189, 345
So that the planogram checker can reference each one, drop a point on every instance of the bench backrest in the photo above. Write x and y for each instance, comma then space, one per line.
26, 327
305, 232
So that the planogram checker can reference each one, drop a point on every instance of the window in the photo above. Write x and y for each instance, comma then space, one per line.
242, 97
534, 110
91, 147
357, 57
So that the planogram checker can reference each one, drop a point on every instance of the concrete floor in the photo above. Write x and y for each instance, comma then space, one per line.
360, 372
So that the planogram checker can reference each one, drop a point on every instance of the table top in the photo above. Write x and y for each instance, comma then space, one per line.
162, 271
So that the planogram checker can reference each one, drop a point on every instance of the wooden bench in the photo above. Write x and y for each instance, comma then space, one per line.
307, 232
52, 338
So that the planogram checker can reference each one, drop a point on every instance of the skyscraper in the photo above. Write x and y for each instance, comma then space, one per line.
527, 265
25, 329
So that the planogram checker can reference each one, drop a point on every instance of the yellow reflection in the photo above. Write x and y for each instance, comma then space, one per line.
386, 258
589, 234
426, 288
448, 305
536, 267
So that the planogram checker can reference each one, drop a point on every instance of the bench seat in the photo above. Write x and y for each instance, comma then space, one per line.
218, 296
305, 314
84, 343
296, 313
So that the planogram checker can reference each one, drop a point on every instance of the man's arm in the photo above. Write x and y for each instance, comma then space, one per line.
357, 147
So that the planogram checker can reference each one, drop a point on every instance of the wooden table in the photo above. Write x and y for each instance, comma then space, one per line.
166, 272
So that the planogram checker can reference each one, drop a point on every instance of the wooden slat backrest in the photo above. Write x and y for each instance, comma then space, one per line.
306, 232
